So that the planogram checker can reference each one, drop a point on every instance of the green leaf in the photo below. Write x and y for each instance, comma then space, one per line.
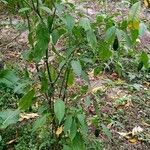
46, 9
78, 143
85, 24
76, 66
143, 29
8, 117
97, 70
81, 118
91, 38
9, 78
9, 75
133, 18
42, 40
59, 110
107, 132
44, 83
23, 9
134, 35
85, 77
145, 59
68, 123
104, 52
84, 128
134, 12
70, 78
3, 1
73, 130
0, 138
110, 34
39, 122
27, 100
140, 66
56, 34
66, 147
70, 22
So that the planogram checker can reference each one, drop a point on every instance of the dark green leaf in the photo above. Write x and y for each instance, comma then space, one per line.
70, 22
140, 66
78, 143
8, 117
85, 24
39, 122
59, 110
42, 40
110, 34
73, 130
27, 100
104, 52
70, 78
145, 60
76, 66
68, 123
91, 38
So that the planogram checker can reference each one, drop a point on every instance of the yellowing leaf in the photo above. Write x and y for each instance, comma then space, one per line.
134, 25
147, 3
59, 130
119, 82
133, 140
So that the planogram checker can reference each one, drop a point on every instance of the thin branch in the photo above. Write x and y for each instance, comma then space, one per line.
66, 84
63, 82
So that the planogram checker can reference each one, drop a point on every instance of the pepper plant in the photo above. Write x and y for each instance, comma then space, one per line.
63, 47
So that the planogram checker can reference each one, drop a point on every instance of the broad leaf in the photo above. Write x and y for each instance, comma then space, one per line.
78, 143
56, 34
9, 78
134, 12
27, 100
133, 18
107, 132
42, 40
68, 123
145, 59
91, 38
39, 122
59, 110
110, 34
8, 117
70, 22
76, 66
85, 24
70, 78
46, 9
23, 9
142, 29
73, 130
104, 52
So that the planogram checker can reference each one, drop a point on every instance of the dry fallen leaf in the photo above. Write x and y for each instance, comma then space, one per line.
133, 140
59, 130
27, 116
131, 136
136, 130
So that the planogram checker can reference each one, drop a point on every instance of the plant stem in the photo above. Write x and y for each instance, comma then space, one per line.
66, 84
63, 81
